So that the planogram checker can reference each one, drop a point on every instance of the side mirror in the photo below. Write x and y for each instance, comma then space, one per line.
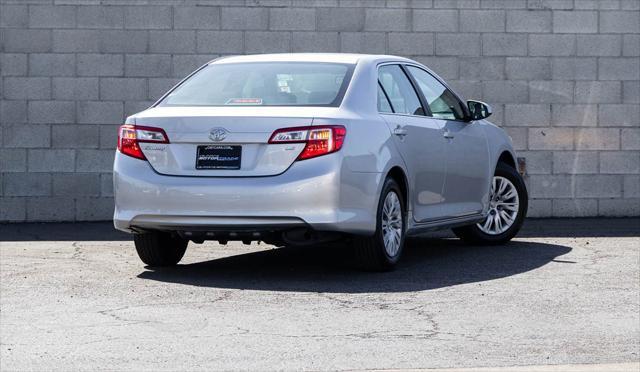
479, 110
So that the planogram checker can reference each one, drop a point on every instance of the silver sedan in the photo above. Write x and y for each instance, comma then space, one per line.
299, 149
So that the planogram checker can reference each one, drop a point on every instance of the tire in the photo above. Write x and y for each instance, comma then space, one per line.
371, 253
159, 249
474, 234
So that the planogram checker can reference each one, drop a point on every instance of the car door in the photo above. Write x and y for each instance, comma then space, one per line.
418, 138
467, 159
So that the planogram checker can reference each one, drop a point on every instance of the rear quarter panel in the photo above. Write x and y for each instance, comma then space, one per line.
369, 151
369, 146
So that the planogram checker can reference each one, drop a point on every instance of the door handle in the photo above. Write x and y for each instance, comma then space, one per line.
400, 132
448, 134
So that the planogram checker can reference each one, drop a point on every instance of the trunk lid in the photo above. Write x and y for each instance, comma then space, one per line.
216, 132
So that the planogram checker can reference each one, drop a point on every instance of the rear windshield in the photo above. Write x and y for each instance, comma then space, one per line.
264, 84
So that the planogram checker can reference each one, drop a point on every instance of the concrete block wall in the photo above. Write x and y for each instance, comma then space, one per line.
562, 75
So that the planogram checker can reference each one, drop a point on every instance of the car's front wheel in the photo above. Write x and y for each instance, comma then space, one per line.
382, 250
508, 203
159, 249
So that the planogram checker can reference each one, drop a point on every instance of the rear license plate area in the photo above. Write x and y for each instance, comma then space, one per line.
218, 157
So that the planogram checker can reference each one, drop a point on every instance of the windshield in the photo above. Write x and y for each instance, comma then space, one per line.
264, 84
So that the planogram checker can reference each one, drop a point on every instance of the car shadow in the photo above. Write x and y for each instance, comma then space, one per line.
426, 264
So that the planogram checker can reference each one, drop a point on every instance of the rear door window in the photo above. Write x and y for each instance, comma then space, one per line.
402, 96
383, 102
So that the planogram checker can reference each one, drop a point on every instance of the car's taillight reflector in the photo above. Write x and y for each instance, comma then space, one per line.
130, 137
319, 140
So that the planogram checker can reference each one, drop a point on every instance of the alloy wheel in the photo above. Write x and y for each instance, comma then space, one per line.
503, 207
392, 228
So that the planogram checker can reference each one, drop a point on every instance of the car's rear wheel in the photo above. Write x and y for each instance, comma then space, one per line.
508, 202
382, 251
160, 249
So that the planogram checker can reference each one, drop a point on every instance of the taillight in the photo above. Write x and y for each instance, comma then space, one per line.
130, 137
320, 140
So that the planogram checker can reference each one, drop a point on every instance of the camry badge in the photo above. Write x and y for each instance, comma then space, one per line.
218, 134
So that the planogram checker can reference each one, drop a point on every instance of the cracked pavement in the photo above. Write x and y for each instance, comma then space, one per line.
76, 297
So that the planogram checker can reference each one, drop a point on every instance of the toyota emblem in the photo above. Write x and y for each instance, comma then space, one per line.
218, 134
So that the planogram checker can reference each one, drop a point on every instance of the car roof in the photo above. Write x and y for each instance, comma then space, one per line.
350, 58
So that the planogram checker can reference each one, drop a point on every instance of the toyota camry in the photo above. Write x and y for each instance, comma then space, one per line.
303, 149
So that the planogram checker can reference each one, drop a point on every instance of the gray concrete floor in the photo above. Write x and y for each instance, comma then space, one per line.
565, 293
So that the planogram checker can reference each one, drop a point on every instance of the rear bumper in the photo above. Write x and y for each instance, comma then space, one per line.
316, 193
